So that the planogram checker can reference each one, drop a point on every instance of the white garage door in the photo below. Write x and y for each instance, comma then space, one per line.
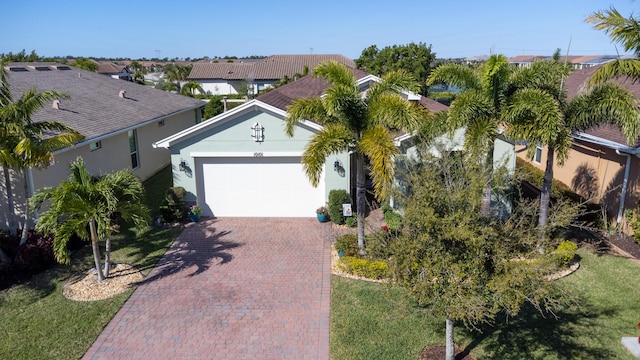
259, 187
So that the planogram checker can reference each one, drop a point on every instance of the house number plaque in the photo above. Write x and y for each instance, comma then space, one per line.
258, 154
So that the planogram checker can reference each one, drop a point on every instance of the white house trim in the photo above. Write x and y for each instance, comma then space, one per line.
198, 154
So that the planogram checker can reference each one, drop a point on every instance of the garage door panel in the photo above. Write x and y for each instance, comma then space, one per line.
259, 187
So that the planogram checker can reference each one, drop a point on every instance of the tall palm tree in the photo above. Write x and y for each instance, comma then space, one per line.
25, 144
86, 205
539, 112
477, 108
358, 123
177, 74
625, 31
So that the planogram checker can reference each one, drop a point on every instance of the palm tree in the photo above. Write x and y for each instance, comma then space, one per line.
189, 89
177, 74
356, 123
86, 205
477, 108
25, 144
539, 112
625, 31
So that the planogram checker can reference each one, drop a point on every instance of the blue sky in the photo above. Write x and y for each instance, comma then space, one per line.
194, 29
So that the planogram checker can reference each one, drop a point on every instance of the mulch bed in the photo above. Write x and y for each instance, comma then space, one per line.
438, 352
625, 243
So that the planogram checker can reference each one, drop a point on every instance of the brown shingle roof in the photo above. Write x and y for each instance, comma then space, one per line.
310, 86
274, 67
95, 109
109, 68
577, 82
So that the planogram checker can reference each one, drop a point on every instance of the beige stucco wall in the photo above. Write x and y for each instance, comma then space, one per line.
596, 172
112, 156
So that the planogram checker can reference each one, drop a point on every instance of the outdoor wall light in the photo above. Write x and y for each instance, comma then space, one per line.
183, 165
337, 165
257, 132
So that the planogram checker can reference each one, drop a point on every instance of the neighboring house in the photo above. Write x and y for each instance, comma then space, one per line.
576, 61
223, 78
601, 166
114, 70
119, 119
241, 162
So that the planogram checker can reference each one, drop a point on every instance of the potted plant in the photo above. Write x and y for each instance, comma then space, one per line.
322, 213
194, 213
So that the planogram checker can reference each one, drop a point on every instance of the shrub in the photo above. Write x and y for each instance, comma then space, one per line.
564, 253
347, 243
351, 222
336, 199
391, 218
378, 245
174, 208
362, 267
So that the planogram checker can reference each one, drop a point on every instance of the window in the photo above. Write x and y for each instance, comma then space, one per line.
95, 146
133, 148
161, 123
538, 155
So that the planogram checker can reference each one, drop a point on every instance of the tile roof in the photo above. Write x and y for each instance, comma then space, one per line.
577, 82
274, 67
95, 108
106, 67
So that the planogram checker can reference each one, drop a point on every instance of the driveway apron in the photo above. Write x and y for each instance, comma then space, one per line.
233, 288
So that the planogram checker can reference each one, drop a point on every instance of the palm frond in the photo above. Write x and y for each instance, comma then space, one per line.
534, 115
332, 139
625, 31
335, 73
311, 109
458, 76
619, 68
396, 113
377, 144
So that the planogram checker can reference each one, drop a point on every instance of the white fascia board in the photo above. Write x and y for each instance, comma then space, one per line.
216, 120
399, 139
410, 95
218, 154
604, 142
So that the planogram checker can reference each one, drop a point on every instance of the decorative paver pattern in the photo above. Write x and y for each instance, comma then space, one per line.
233, 288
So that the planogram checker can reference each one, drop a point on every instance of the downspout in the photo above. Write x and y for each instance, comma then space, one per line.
623, 192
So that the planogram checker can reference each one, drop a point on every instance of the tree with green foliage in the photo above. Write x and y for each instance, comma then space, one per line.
359, 123
89, 206
625, 31
138, 72
539, 112
25, 144
477, 108
413, 58
459, 264
86, 64
190, 88
20, 57
177, 74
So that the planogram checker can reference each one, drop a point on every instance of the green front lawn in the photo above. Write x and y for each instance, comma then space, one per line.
39, 323
377, 321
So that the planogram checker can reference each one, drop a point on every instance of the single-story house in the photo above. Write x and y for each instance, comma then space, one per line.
602, 165
241, 162
220, 77
116, 71
119, 120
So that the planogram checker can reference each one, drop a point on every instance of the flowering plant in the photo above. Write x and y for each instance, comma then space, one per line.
322, 210
196, 210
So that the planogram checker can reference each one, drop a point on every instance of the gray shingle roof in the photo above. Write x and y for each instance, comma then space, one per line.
274, 67
94, 108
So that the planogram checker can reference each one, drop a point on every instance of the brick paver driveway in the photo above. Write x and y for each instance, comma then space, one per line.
234, 288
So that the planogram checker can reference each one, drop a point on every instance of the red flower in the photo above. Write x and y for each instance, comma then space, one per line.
639, 325
386, 228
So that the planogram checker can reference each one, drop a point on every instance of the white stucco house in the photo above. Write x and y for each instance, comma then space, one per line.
225, 77
119, 120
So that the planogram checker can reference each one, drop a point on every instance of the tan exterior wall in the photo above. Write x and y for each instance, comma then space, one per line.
596, 172
112, 156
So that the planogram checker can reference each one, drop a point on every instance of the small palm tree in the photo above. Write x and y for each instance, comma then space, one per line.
477, 108
540, 113
358, 123
25, 144
87, 206
177, 74
189, 89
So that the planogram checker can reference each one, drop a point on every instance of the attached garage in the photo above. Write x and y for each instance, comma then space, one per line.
257, 187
